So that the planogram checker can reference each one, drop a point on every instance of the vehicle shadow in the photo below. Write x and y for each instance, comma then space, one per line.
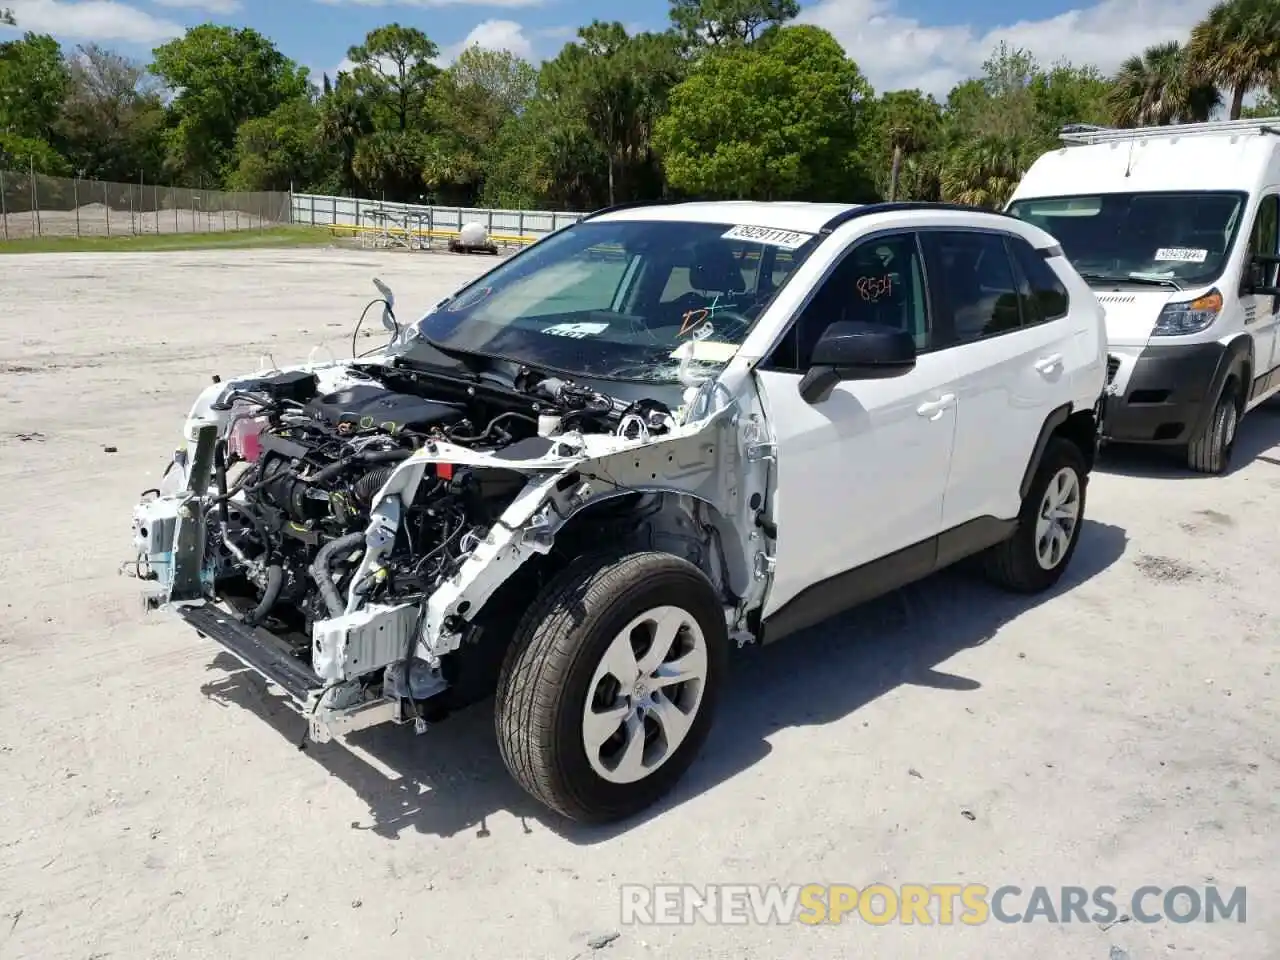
1257, 440
452, 779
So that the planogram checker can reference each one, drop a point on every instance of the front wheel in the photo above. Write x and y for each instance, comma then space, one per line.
1210, 451
609, 687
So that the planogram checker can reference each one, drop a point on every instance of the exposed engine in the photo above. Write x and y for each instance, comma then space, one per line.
298, 472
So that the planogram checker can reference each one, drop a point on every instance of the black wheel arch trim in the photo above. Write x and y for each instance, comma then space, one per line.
1237, 353
1052, 422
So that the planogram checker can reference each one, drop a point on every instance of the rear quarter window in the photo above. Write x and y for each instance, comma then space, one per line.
1047, 290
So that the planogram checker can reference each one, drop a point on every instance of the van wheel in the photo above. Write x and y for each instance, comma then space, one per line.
1210, 451
609, 687
1037, 554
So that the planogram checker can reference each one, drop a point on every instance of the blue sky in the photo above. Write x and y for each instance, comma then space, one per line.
898, 43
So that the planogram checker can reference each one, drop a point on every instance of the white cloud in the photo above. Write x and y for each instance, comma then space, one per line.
491, 35
103, 20
209, 6
897, 52
433, 3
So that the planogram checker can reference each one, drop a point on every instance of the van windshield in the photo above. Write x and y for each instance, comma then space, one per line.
1183, 237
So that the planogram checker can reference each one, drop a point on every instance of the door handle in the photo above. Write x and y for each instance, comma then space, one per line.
1049, 364
936, 408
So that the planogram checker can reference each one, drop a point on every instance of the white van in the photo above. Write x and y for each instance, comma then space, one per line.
1175, 229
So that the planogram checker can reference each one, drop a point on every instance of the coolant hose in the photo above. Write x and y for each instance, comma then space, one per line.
370, 456
275, 580
319, 570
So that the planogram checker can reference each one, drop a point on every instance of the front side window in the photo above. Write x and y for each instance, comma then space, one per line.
1180, 237
977, 280
1264, 238
624, 300
880, 281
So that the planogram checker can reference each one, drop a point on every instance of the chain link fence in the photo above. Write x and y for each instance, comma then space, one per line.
34, 205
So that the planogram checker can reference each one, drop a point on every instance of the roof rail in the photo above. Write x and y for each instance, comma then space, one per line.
867, 209
1083, 133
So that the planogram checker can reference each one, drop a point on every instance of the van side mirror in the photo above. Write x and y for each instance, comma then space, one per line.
1256, 271
850, 350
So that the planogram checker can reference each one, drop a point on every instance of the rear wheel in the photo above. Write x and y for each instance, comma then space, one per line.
1037, 554
1210, 451
608, 690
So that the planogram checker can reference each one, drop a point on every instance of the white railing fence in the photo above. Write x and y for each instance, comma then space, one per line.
378, 216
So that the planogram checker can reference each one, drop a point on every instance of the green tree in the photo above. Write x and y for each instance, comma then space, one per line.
474, 100
612, 88
33, 85
221, 77
283, 150
729, 21
1237, 46
1067, 94
113, 118
393, 69
6, 17
345, 118
25, 153
984, 172
904, 126
773, 122
1155, 88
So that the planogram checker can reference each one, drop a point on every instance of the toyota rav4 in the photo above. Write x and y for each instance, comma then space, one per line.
654, 436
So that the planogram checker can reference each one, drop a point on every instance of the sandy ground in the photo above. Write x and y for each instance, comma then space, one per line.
153, 802
96, 220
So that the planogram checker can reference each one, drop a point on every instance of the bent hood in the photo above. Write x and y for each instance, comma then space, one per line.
1131, 314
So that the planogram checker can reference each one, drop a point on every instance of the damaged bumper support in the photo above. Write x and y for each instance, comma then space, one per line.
706, 463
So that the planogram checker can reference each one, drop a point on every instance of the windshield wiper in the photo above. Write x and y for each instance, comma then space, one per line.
1145, 281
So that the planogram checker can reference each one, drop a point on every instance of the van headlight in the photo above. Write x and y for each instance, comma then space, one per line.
1188, 316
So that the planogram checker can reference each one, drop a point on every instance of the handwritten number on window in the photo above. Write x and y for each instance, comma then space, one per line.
872, 289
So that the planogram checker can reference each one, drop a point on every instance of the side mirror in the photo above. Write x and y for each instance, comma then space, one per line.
1256, 271
849, 350
388, 309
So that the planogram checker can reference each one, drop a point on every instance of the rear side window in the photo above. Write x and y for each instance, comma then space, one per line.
1047, 291
980, 286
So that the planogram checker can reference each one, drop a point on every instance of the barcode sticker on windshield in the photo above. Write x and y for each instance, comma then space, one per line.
787, 239
1181, 254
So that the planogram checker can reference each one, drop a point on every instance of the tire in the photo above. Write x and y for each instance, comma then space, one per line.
1021, 563
1210, 451
556, 665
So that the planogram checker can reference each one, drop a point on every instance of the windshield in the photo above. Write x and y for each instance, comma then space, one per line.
1180, 237
624, 300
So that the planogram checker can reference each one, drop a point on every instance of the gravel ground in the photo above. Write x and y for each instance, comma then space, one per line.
154, 804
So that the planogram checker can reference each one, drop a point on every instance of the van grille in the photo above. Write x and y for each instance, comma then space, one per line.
1116, 298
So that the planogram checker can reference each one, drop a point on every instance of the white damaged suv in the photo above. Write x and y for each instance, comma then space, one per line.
658, 434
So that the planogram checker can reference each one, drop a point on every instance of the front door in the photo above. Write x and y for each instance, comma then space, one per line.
1262, 313
861, 475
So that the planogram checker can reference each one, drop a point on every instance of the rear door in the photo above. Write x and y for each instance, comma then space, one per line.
1011, 348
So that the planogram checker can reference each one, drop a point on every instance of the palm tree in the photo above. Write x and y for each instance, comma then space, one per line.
1156, 88
985, 171
1237, 46
345, 120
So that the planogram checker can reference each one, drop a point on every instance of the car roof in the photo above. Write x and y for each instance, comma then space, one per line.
806, 217
779, 215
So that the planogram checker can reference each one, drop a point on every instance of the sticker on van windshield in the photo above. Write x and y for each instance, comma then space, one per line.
787, 239
578, 331
1181, 254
